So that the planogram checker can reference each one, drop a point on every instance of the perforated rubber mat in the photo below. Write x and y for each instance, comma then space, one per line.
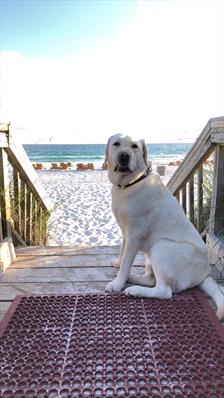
98, 345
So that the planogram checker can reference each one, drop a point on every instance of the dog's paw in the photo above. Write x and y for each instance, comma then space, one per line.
114, 286
133, 291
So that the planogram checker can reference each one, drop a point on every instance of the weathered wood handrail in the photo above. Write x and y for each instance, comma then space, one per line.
24, 205
188, 185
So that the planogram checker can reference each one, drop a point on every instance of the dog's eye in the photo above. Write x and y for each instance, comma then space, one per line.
134, 146
117, 143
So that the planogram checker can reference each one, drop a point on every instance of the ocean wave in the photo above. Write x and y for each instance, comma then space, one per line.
94, 153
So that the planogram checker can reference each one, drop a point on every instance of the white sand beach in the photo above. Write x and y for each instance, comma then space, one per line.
82, 212
82, 208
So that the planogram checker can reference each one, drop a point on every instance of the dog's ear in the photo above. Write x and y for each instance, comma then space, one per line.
145, 152
106, 157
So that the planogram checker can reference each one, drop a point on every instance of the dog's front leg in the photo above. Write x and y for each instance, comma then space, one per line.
130, 251
117, 262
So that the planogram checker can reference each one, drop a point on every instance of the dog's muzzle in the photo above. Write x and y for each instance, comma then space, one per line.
123, 159
123, 162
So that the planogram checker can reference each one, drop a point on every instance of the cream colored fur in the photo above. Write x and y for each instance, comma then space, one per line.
152, 221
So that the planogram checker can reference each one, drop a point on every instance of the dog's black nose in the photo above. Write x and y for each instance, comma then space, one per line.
123, 159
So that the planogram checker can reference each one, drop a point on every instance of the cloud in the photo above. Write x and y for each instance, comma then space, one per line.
152, 79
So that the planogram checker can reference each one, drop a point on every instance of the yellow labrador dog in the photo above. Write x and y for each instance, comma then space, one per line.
152, 221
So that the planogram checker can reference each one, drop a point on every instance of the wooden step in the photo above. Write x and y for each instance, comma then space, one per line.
66, 250
59, 270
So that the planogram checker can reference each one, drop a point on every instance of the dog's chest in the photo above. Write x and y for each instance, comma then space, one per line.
118, 203
125, 206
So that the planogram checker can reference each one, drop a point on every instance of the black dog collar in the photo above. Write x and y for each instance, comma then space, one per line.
148, 171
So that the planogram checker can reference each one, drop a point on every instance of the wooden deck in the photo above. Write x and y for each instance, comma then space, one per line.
59, 270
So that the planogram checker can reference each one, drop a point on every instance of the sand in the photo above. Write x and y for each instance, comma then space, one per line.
81, 212
82, 208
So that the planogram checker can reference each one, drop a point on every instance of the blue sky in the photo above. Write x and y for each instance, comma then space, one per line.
82, 70
56, 28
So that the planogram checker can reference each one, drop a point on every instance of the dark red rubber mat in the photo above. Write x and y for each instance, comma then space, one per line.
111, 346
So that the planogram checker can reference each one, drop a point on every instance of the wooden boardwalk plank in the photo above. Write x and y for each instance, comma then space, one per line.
9, 291
101, 260
59, 271
4, 307
66, 250
58, 274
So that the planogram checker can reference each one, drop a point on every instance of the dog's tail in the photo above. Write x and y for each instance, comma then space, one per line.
210, 287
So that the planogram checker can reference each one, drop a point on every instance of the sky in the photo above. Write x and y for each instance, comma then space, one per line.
79, 71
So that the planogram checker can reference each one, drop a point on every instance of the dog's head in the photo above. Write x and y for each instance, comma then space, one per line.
126, 159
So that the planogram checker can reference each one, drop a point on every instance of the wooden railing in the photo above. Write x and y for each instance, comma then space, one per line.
24, 206
198, 184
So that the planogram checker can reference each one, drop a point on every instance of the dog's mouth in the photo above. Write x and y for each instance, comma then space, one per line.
122, 169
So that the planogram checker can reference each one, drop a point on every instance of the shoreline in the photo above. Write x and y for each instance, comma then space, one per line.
98, 164
82, 213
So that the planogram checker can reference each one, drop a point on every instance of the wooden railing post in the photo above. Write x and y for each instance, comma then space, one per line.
29, 220
24, 205
23, 209
16, 201
177, 196
4, 195
184, 198
205, 200
191, 199
199, 198
35, 222
217, 202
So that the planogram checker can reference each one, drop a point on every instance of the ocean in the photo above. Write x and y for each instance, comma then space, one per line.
47, 153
